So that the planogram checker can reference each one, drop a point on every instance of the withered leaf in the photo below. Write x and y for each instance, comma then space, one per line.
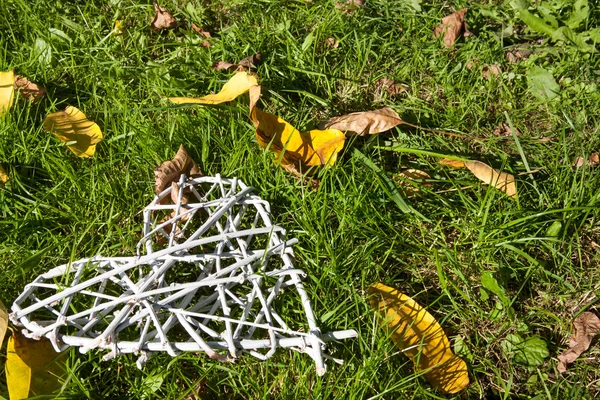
490, 176
390, 86
28, 89
452, 27
452, 163
409, 177
7, 89
364, 123
162, 19
247, 64
169, 171
587, 325
333, 43
206, 34
595, 158
491, 70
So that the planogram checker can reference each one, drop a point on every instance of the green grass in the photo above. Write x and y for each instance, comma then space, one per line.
351, 231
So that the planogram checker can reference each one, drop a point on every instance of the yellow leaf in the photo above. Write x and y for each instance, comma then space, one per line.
33, 368
420, 337
491, 176
7, 80
301, 150
118, 29
239, 84
3, 322
3, 177
72, 125
452, 163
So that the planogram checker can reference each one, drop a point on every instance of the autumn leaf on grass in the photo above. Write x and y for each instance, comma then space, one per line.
3, 322
239, 84
72, 126
410, 179
486, 174
364, 123
28, 89
7, 80
416, 332
162, 19
3, 177
206, 34
587, 325
169, 171
33, 368
298, 151
247, 64
452, 27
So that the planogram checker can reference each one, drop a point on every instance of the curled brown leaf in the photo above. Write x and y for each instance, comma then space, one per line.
169, 171
28, 89
162, 19
206, 34
453, 26
587, 325
247, 64
364, 123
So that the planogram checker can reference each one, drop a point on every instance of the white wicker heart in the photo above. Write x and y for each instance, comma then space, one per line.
209, 281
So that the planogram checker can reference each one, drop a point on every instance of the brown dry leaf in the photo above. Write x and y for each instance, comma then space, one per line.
592, 161
504, 130
595, 158
249, 63
7, 81
162, 19
491, 176
364, 123
333, 43
452, 27
491, 70
169, 171
587, 325
239, 84
206, 34
391, 87
579, 162
28, 89
72, 126
409, 177
418, 335
514, 56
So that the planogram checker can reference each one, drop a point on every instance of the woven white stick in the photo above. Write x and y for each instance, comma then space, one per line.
209, 281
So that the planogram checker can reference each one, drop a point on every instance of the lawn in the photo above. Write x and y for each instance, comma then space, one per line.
497, 273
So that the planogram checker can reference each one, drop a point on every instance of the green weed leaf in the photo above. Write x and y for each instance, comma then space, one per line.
542, 84
530, 352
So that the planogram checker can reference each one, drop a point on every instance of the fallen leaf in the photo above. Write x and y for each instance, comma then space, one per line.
391, 87
169, 171
364, 123
250, 62
579, 162
452, 27
592, 161
416, 332
119, 29
587, 325
504, 130
595, 158
162, 19
333, 43
206, 34
411, 178
452, 163
72, 125
3, 179
517, 55
491, 70
239, 84
3, 318
297, 151
491, 176
28, 89
7, 80
33, 368
247, 64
